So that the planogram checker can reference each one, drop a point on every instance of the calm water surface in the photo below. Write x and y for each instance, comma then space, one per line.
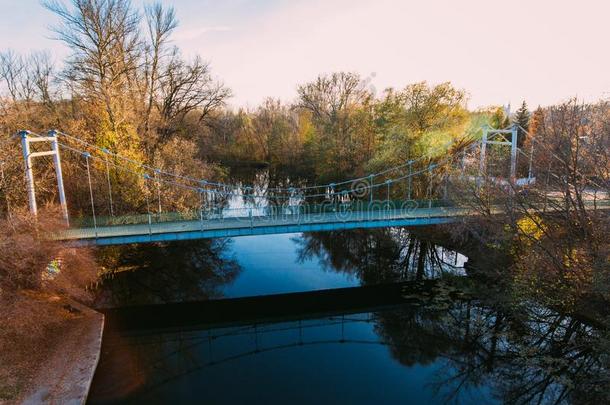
338, 357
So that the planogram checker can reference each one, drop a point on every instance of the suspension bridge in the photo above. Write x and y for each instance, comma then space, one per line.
414, 193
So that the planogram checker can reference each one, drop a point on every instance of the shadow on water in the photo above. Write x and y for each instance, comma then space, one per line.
162, 273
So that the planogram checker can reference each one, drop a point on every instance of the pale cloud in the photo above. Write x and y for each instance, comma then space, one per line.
188, 34
543, 51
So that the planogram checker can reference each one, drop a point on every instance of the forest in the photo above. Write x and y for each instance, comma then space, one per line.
126, 88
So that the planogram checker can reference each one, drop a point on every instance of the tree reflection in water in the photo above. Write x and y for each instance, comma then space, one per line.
166, 272
525, 355
380, 255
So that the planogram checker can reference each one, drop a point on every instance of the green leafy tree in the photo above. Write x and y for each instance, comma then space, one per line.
417, 119
499, 119
522, 119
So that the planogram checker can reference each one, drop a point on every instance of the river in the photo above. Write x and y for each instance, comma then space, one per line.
364, 316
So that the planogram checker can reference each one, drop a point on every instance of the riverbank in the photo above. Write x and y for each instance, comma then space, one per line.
59, 364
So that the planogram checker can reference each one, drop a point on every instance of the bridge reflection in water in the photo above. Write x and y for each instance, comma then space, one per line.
277, 340
415, 341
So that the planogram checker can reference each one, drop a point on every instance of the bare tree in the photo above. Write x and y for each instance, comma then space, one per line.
43, 76
28, 78
17, 77
160, 23
104, 38
328, 96
188, 88
340, 107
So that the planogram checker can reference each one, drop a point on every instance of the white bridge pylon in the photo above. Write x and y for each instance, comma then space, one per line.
28, 155
492, 136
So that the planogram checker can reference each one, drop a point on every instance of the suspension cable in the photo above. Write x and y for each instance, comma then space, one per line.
158, 191
87, 155
555, 156
326, 194
109, 187
233, 194
213, 190
276, 189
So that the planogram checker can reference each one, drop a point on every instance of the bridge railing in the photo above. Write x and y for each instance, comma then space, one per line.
366, 209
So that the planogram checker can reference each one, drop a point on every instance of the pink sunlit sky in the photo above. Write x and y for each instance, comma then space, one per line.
543, 51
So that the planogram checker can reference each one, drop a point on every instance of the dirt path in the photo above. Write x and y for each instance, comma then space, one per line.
64, 375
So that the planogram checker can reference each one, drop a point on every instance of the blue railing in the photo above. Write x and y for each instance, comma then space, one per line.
215, 213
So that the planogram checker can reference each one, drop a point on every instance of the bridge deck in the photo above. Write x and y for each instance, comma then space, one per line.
273, 224
259, 225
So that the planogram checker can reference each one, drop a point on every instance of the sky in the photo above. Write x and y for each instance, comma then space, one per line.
541, 51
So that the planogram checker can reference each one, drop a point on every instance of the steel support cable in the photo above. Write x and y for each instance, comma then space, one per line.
158, 191
169, 182
126, 169
216, 193
429, 190
201, 205
187, 187
109, 187
549, 174
148, 178
529, 157
326, 194
388, 182
529, 169
224, 186
370, 177
409, 181
555, 156
372, 186
216, 184
370, 183
148, 206
152, 168
87, 155
160, 179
